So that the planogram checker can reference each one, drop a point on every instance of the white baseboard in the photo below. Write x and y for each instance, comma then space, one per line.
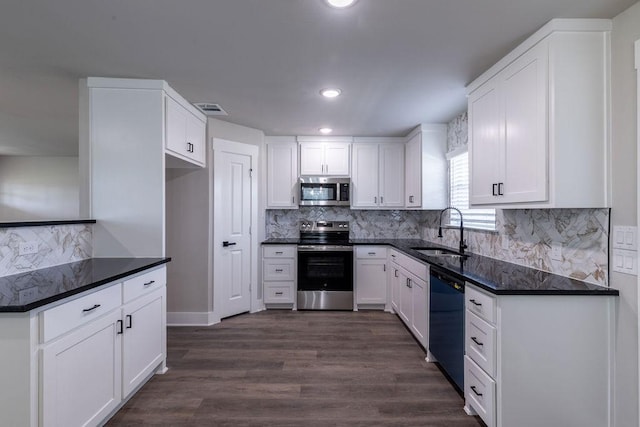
189, 318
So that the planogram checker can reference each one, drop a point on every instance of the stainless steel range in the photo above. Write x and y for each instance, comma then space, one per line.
325, 266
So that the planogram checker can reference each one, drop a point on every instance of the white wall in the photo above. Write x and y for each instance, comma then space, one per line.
36, 188
626, 30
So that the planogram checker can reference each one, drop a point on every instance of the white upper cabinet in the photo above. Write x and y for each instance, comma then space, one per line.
325, 156
185, 133
426, 168
282, 172
377, 173
539, 121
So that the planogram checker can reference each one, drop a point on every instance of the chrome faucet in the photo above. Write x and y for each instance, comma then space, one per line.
463, 245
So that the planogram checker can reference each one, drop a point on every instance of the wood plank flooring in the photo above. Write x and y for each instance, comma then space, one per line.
307, 368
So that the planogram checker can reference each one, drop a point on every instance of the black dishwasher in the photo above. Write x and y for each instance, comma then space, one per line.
446, 323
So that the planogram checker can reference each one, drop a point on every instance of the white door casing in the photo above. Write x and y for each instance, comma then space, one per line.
637, 64
235, 217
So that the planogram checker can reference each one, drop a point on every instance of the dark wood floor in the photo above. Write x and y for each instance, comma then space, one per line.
284, 368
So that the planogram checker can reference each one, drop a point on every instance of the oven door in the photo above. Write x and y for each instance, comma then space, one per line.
325, 269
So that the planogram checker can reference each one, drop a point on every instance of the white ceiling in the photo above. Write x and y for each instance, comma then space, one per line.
398, 62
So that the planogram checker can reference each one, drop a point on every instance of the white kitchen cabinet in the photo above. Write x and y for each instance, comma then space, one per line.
185, 132
526, 365
279, 275
144, 342
377, 174
325, 156
539, 121
410, 294
282, 173
371, 276
81, 374
426, 168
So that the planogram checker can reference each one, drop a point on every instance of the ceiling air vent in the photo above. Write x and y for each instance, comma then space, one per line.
211, 109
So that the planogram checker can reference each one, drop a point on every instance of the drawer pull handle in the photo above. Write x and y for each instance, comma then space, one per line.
278, 270
119, 327
279, 253
473, 388
279, 293
86, 310
372, 253
475, 340
149, 283
129, 321
474, 302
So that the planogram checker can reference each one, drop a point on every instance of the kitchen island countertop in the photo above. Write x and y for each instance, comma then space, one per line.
24, 292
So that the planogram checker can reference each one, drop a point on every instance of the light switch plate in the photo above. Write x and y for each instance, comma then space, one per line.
624, 261
625, 238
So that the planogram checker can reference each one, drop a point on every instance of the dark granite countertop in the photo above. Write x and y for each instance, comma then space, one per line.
26, 291
14, 224
495, 276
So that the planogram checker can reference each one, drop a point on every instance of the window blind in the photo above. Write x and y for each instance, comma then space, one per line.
484, 219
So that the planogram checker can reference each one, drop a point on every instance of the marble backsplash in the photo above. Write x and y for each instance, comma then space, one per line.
57, 244
523, 237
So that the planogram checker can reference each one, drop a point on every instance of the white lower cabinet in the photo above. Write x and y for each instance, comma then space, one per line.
409, 280
81, 374
371, 276
538, 360
97, 349
279, 275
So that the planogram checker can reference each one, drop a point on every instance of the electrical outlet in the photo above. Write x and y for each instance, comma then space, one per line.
505, 242
556, 252
27, 248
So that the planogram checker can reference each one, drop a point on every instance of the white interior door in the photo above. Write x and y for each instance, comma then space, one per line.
232, 231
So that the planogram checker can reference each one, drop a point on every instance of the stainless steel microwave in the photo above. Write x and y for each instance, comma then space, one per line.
322, 191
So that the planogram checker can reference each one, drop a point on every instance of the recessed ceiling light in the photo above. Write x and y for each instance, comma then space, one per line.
330, 92
325, 130
340, 3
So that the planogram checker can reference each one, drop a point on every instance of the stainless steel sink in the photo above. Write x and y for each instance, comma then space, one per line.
438, 252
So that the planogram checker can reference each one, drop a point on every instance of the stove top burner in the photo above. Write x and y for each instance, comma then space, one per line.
319, 232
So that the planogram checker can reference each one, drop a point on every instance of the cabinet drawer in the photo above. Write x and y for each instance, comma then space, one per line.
374, 252
278, 292
65, 317
415, 267
279, 251
479, 391
480, 304
282, 269
144, 283
480, 342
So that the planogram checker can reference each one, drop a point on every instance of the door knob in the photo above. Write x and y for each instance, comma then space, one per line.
226, 244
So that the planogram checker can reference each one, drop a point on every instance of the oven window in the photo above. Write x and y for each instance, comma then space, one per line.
318, 192
328, 271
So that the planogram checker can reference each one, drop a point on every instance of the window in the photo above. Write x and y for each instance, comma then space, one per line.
483, 219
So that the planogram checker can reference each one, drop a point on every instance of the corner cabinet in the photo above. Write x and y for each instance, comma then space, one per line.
526, 365
282, 173
324, 156
426, 180
377, 174
539, 121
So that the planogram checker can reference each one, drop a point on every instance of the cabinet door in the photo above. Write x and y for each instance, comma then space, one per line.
282, 176
312, 159
420, 314
394, 281
371, 281
391, 177
413, 172
81, 374
406, 301
525, 105
337, 159
176, 127
143, 347
196, 136
486, 144
364, 179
